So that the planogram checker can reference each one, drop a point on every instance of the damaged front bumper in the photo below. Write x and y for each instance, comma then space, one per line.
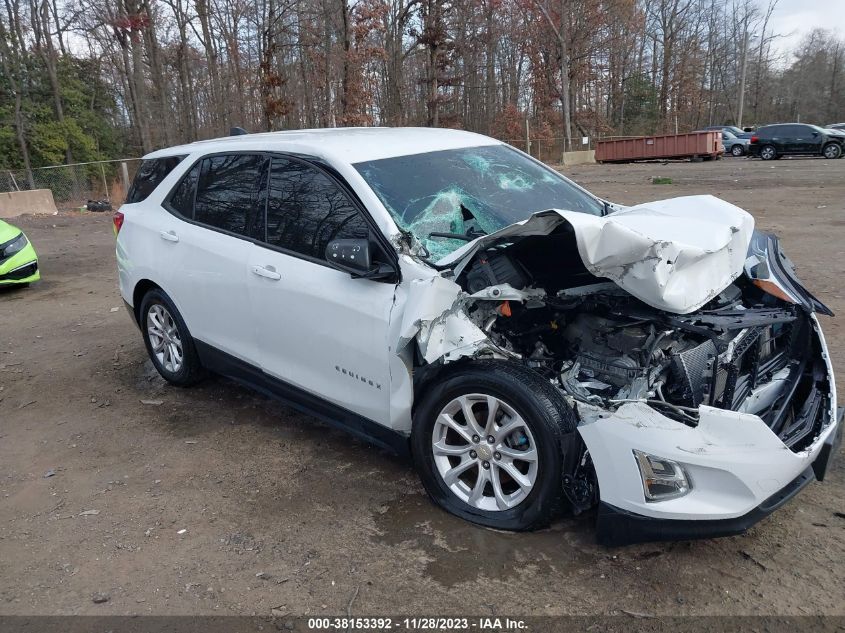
740, 471
616, 526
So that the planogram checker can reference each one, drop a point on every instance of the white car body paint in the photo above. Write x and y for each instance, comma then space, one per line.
314, 322
675, 255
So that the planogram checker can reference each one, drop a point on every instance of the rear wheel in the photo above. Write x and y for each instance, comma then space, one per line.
491, 441
832, 150
168, 341
768, 152
737, 150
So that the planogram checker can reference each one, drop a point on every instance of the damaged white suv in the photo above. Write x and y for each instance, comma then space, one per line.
535, 348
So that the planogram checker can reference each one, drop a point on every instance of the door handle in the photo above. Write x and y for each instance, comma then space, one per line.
268, 272
170, 236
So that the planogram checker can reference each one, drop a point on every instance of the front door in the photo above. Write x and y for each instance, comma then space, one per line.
317, 327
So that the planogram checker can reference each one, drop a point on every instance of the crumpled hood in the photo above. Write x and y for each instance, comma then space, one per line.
675, 255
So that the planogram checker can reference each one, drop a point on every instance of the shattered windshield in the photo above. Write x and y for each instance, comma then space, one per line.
468, 191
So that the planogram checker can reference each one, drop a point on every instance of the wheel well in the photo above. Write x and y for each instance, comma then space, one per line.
141, 288
425, 376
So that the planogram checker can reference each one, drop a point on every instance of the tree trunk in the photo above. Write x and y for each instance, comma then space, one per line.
217, 116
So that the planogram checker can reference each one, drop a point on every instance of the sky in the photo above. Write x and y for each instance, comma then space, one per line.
795, 18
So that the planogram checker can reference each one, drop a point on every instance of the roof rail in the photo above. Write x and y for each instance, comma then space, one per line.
237, 131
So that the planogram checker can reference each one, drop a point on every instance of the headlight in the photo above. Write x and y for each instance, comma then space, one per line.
662, 478
15, 246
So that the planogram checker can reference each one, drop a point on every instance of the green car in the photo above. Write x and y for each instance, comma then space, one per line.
18, 261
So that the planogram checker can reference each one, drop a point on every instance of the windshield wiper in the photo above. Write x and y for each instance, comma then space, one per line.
469, 236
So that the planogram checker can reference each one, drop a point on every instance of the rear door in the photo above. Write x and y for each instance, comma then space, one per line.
776, 135
220, 203
801, 139
318, 328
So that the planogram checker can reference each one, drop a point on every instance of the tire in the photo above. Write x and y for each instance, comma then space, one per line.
737, 150
158, 313
832, 150
521, 396
768, 152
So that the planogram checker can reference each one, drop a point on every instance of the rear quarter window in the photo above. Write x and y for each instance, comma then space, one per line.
181, 199
150, 175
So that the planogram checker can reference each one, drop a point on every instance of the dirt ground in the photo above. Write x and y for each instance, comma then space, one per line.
215, 500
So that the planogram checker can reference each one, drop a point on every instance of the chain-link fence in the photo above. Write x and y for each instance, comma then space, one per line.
551, 149
74, 185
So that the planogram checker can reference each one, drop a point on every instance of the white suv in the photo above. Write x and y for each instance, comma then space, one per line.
535, 348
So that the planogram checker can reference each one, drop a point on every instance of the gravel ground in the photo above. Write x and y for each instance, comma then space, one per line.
215, 500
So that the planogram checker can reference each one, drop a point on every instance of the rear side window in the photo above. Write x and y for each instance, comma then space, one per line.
307, 209
232, 193
149, 176
181, 201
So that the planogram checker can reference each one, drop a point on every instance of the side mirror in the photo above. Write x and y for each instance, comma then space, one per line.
351, 255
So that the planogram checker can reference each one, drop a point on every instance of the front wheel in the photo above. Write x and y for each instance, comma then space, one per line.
768, 152
832, 150
491, 441
737, 150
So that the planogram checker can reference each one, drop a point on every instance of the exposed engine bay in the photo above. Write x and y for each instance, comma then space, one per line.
745, 350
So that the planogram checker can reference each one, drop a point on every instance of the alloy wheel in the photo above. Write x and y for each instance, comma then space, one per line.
832, 151
737, 150
484, 452
165, 340
767, 153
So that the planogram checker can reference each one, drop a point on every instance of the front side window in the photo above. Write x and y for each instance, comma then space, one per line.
150, 175
231, 193
306, 210
472, 189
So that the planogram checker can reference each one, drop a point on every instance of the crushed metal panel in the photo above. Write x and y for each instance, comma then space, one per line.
674, 255
434, 315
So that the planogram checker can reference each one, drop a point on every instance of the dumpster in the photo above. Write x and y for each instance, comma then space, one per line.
695, 145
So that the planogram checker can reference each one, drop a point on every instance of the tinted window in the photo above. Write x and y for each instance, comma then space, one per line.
149, 176
307, 209
231, 194
772, 131
796, 130
182, 198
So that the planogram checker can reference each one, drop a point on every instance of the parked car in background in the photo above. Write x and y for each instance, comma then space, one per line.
18, 261
735, 145
534, 347
836, 126
795, 139
737, 132
837, 133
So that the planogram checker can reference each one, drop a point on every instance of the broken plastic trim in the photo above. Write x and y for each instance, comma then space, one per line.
772, 271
